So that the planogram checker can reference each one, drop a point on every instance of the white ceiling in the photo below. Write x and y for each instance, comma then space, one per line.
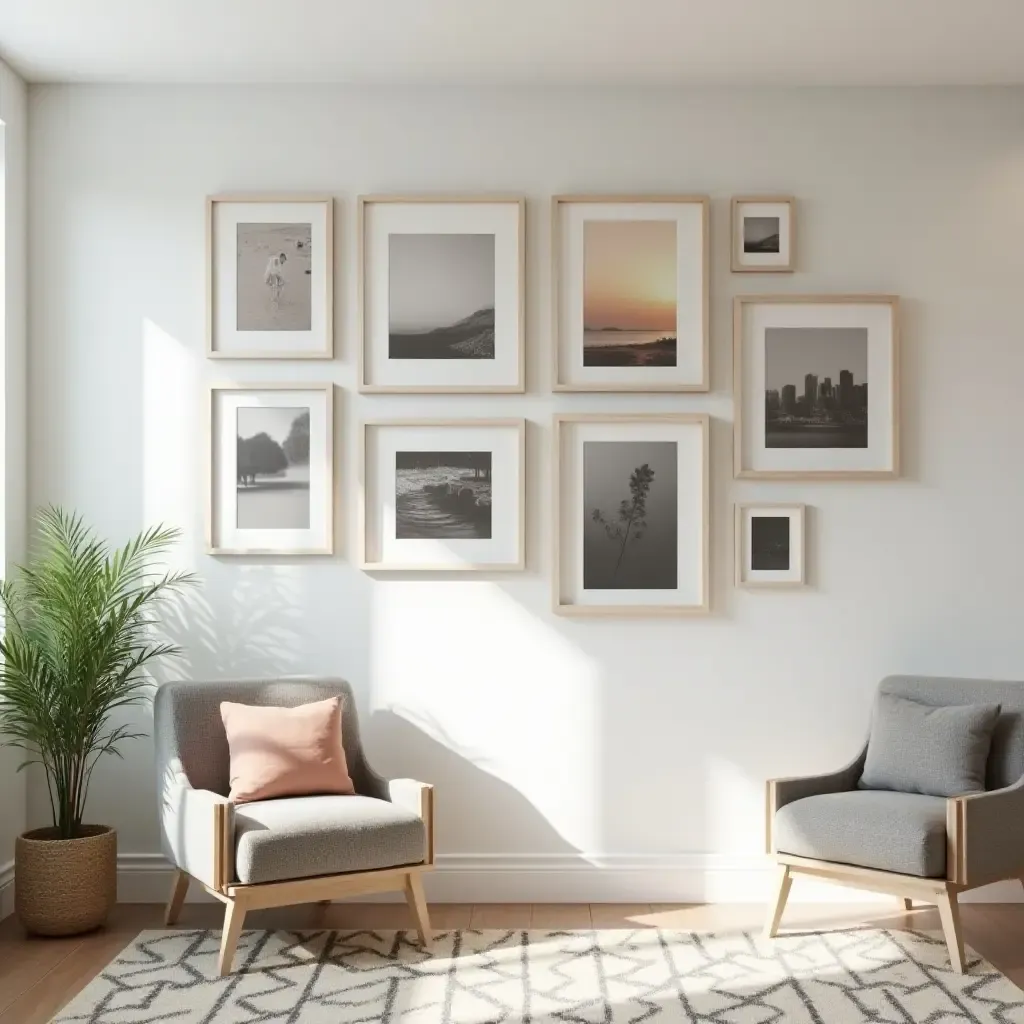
793, 42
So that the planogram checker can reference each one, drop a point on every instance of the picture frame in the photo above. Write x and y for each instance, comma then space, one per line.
631, 293
270, 276
443, 495
607, 470
816, 381
270, 489
442, 296
762, 231
770, 545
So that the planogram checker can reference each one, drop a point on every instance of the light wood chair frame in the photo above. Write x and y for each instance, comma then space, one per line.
943, 893
239, 899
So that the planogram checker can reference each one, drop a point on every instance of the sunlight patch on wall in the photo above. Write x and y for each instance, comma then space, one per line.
172, 421
469, 666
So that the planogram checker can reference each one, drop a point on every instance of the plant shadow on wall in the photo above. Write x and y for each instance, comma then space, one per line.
250, 629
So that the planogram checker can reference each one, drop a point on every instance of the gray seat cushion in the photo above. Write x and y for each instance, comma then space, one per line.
923, 748
298, 837
901, 832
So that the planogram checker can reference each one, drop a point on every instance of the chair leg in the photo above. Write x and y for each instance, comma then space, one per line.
179, 890
234, 916
783, 883
949, 913
418, 905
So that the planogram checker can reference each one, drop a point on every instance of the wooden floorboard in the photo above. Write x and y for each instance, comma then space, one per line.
38, 976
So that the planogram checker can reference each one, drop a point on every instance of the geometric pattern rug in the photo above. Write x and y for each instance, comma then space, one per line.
543, 977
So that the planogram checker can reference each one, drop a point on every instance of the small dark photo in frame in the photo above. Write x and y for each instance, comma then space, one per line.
769, 542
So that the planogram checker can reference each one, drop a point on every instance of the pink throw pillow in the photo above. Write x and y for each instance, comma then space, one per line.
285, 751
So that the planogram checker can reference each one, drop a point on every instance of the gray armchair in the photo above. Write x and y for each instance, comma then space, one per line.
917, 847
272, 853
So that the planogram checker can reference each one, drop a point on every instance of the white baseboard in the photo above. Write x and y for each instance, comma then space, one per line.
6, 889
576, 878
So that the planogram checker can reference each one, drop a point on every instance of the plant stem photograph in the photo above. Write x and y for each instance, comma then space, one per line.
630, 537
79, 640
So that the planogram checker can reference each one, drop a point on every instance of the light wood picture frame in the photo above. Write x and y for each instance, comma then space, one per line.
270, 276
770, 549
270, 469
603, 498
762, 232
630, 293
817, 387
442, 294
442, 495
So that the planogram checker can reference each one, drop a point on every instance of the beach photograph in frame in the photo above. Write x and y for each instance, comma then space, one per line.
443, 495
442, 294
271, 469
817, 386
270, 276
631, 514
770, 545
630, 286
763, 234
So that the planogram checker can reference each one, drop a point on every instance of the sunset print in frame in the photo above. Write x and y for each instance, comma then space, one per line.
816, 386
630, 308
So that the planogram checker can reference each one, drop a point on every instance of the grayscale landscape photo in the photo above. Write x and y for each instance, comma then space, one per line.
441, 296
760, 234
273, 469
274, 277
630, 500
442, 495
816, 387
769, 542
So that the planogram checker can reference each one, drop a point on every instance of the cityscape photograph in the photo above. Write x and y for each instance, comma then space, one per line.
816, 390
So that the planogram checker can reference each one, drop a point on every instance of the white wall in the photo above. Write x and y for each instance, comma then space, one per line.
645, 742
13, 219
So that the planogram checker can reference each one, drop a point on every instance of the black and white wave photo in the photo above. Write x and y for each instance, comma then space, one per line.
273, 277
273, 469
761, 234
441, 291
630, 499
816, 387
769, 543
443, 495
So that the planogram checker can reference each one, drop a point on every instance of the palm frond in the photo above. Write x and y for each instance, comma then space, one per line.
78, 624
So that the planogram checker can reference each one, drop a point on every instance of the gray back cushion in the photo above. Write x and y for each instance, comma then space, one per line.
189, 732
919, 748
1006, 757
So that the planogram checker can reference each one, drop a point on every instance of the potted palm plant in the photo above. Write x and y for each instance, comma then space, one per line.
77, 637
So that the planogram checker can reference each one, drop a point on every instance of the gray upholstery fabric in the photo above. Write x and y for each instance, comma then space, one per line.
323, 835
1006, 759
921, 748
840, 781
901, 832
192, 759
994, 835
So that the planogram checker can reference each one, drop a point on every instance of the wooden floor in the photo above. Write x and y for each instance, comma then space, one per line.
38, 976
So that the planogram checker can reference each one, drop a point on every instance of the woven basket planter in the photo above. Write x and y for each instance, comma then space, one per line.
65, 886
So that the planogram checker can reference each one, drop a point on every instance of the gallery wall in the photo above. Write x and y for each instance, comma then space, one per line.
13, 219
572, 759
